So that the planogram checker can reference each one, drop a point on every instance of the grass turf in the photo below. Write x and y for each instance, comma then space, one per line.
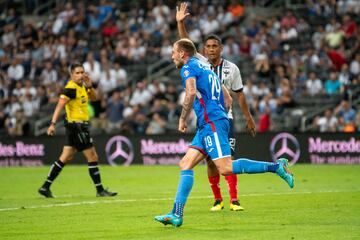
325, 204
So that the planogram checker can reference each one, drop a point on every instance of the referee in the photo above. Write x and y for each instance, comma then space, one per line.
75, 98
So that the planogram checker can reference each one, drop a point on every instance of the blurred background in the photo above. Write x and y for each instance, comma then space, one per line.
299, 61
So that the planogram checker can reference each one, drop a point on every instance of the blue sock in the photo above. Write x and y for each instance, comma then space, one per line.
185, 185
244, 165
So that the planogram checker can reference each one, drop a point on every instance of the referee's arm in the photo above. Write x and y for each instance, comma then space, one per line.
91, 94
89, 88
59, 107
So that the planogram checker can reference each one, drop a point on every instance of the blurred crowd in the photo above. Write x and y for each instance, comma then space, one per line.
292, 55
312, 53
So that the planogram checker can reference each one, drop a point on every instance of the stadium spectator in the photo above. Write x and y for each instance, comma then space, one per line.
141, 96
326, 123
157, 125
318, 37
348, 26
314, 85
355, 65
250, 90
267, 105
345, 112
236, 9
264, 121
49, 74
337, 57
114, 114
231, 49
41, 97
30, 105
8, 37
17, 90
332, 85
92, 67
15, 124
344, 75
335, 37
262, 64
105, 11
15, 71
210, 25
107, 81
289, 20
120, 75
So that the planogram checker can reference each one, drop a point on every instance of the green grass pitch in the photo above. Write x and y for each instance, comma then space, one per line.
325, 204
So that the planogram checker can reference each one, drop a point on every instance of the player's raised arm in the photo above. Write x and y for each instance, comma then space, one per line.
188, 103
181, 14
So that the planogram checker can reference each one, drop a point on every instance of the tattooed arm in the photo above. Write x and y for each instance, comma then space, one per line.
188, 103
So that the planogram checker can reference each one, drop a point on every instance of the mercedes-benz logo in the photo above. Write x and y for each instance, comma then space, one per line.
119, 150
285, 145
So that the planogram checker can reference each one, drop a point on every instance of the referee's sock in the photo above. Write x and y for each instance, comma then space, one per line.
244, 165
185, 185
95, 175
55, 169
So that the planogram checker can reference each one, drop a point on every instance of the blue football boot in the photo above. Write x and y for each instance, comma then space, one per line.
284, 172
170, 218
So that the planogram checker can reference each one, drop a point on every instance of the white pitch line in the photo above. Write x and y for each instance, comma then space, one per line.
162, 199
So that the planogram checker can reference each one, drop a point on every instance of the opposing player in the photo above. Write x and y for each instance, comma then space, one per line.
75, 100
229, 75
204, 94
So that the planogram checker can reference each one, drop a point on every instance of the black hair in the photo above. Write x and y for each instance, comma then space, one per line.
213, 37
75, 65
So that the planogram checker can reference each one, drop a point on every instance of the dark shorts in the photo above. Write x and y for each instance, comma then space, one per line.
232, 140
78, 136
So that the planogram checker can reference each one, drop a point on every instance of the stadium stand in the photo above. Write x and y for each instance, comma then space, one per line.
300, 64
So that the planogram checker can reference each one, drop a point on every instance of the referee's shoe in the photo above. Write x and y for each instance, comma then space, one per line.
105, 193
45, 192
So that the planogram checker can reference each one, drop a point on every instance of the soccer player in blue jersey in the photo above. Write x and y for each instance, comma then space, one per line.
204, 94
230, 76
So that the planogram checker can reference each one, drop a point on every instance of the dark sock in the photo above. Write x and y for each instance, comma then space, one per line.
273, 167
95, 175
55, 169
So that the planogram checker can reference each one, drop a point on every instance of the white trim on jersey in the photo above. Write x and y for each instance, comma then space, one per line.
218, 147
198, 94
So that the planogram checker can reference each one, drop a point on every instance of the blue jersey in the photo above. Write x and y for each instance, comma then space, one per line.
209, 101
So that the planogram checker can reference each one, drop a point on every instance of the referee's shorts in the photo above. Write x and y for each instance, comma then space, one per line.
78, 135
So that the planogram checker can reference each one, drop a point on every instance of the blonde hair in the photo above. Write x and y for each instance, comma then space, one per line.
187, 46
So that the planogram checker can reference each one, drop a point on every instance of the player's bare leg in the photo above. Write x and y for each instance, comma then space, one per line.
66, 156
92, 159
